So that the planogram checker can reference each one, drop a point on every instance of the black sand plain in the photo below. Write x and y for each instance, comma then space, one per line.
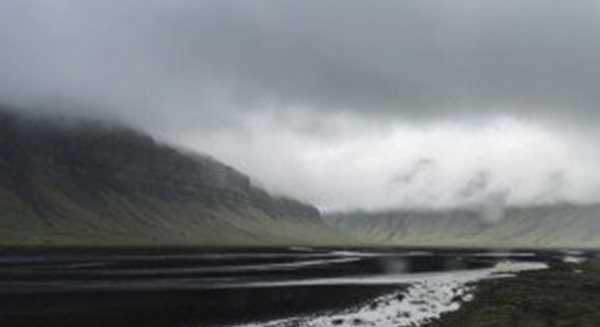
155, 287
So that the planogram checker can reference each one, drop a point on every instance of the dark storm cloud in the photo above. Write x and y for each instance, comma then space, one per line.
347, 95
408, 59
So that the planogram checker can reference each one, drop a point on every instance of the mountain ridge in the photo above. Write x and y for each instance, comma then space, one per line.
95, 183
559, 225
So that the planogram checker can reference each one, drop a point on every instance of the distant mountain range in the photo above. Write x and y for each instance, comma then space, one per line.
557, 225
95, 184
83, 183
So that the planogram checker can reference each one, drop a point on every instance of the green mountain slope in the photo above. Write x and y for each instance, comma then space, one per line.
90, 184
410, 227
559, 225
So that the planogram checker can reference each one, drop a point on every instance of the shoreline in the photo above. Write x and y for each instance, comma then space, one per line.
273, 288
424, 298
565, 294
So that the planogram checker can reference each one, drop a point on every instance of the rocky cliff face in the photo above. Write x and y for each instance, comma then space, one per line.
70, 183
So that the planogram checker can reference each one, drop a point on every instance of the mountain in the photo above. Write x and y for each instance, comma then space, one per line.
410, 227
82, 183
557, 225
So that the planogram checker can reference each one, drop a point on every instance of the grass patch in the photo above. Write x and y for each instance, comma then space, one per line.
566, 295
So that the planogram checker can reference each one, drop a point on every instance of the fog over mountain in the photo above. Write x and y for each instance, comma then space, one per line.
346, 104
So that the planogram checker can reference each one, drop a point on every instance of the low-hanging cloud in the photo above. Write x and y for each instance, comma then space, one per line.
362, 166
339, 102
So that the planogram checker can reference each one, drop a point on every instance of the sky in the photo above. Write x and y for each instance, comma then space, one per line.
347, 104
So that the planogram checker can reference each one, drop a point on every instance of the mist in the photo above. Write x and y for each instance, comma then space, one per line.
346, 104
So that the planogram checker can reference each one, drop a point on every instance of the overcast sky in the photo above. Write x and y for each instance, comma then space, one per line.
343, 103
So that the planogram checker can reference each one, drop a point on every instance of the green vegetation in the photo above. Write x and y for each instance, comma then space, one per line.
566, 295
95, 185
410, 228
558, 225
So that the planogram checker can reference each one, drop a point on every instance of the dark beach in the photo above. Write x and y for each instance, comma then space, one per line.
217, 287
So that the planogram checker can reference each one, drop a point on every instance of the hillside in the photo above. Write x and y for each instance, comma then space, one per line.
410, 227
557, 225
82, 183
96, 184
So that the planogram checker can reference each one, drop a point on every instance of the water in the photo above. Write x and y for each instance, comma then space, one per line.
285, 287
